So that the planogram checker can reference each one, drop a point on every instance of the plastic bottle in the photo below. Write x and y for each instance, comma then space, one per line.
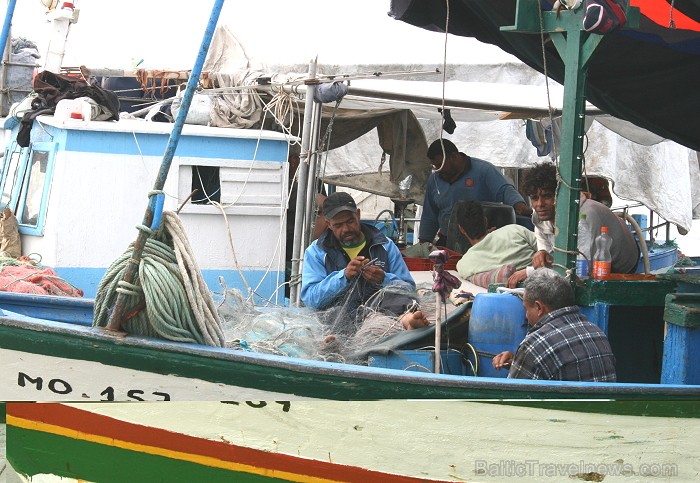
602, 259
584, 247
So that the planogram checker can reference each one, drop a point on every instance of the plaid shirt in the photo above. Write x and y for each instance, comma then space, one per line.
564, 346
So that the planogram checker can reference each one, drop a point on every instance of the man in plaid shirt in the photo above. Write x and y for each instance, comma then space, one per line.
561, 344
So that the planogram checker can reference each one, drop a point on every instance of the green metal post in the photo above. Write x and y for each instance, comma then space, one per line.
575, 51
575, 46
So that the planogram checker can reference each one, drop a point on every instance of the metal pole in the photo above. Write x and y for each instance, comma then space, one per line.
576, 52
313, 167
115, 320
438, 335
5, 35
302, 178
5, 43
575, 48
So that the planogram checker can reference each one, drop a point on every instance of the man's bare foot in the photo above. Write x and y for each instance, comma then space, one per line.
330, 344
414, 320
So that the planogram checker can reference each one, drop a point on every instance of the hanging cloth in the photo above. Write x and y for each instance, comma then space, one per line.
443, 281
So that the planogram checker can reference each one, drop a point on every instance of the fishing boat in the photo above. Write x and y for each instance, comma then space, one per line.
55, 354
394, 441
51, 352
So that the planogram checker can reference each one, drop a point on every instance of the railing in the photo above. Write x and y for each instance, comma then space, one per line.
652, 228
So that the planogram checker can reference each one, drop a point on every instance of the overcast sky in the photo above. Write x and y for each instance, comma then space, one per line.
167, 34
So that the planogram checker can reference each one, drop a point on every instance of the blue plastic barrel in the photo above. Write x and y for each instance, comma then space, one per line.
497, 323
642, 222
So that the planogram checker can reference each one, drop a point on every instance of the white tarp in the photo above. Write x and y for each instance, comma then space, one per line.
662, 175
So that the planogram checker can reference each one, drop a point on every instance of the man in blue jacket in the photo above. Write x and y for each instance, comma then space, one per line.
350, 261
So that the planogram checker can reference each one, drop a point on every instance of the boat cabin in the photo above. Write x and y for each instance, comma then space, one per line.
79, 190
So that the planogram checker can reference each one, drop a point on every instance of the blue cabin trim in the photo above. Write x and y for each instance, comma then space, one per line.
154, 144
50, 150
265, 283
13, 154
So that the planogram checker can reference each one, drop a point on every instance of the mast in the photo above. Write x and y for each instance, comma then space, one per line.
61, 19
154, 209
5, 46
302, 179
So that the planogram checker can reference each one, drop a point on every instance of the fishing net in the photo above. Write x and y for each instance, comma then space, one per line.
283, 331
337, 334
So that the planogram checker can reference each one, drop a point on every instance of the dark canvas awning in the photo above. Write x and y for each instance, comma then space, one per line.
649, 76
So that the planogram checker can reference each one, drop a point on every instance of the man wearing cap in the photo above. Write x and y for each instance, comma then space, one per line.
458, 177
350, 259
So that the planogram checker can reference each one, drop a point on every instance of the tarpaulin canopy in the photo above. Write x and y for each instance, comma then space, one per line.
648, 75
382, 127
614, 149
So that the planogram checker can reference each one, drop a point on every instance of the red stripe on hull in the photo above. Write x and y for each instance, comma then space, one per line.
95, 424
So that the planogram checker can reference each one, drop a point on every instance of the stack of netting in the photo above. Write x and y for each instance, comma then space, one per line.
331, 335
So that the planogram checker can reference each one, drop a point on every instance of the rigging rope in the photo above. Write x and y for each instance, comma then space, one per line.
169, 286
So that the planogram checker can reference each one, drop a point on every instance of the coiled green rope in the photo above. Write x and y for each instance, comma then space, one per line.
178, 304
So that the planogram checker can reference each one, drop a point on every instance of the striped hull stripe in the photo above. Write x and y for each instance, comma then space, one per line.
81, 425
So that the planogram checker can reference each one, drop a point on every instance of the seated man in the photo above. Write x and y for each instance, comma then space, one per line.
495, 253
598, 188
561, 344
540, 184
458, 177
350, 262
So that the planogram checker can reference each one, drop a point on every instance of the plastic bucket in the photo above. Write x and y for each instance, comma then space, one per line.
497, 323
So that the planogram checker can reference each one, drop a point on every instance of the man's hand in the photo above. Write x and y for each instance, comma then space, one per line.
355, 267
361, 266
522, 209
542, 259
503, 360
516, 278
373, 274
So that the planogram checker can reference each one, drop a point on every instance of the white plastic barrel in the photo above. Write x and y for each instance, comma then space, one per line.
73, 109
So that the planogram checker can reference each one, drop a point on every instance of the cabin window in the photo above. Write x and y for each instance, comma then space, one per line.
14, 159
207, 183
32, 183
240, 186
35, 188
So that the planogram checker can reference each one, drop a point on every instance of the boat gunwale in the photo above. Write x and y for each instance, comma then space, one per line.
344, 372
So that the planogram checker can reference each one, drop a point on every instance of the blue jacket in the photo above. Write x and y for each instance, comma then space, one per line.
323, 278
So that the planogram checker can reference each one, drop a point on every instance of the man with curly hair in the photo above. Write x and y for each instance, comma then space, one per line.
540, 184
